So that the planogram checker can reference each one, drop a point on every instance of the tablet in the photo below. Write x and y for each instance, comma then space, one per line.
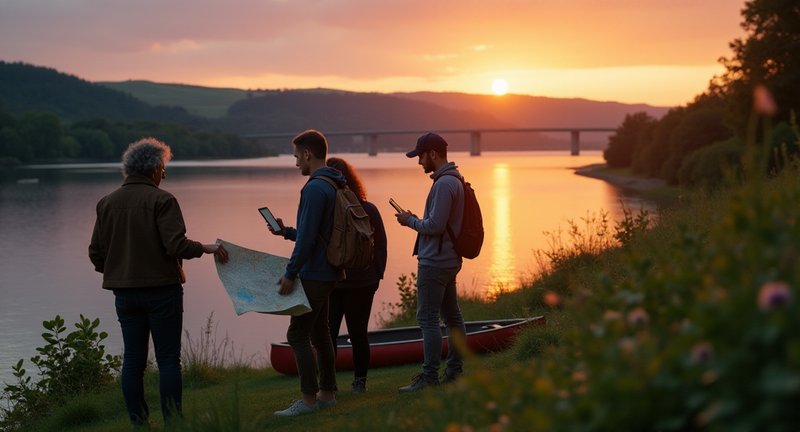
270, 219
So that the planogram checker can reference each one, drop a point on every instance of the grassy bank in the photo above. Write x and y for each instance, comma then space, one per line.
688, 325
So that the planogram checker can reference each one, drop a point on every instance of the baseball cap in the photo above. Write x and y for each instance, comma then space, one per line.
429, 141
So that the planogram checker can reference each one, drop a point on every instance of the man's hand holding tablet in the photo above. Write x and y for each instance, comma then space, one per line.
275, 225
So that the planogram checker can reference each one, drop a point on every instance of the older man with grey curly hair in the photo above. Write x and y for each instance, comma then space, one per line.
138, 243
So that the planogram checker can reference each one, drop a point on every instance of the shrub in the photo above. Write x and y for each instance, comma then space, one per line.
68, 365
709, 167
405, 309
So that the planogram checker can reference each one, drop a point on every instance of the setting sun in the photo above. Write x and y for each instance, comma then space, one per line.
499, 86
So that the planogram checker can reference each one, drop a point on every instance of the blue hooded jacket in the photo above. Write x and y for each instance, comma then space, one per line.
314, 226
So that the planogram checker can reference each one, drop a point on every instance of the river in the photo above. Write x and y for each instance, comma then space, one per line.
47, 215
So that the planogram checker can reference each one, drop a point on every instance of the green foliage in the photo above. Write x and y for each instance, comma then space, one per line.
765, 56
784, 145
691, 327
631, 225
68, 365
649, 159
635, 129
588, 238
702, 124
710, 167
42, 137
405, 309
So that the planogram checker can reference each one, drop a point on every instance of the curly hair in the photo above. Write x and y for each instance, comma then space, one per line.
353, 181
144, 156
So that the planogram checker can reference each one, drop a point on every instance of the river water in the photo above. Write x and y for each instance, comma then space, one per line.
47, 215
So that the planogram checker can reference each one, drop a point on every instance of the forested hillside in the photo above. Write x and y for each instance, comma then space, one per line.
27, 88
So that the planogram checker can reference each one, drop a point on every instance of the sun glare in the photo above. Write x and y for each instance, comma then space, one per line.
499, 86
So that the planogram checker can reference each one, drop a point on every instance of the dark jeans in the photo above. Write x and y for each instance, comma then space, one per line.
142, 312
312, 328
354, 303
437, 297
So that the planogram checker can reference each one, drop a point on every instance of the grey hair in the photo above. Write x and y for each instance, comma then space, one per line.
144, 156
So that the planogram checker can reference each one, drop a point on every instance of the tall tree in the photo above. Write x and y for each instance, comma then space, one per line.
768, 56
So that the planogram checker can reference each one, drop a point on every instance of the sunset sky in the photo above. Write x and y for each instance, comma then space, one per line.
661, 52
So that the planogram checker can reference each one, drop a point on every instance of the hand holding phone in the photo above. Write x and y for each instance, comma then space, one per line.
395, 205
273, 223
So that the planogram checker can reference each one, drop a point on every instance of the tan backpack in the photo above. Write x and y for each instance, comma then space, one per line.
352, 242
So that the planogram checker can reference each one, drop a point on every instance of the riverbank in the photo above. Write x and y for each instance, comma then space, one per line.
620, 177
653, 189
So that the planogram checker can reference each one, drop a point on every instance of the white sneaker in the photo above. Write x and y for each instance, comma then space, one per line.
297, 408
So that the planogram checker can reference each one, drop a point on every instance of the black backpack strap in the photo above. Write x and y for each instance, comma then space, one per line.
449, 229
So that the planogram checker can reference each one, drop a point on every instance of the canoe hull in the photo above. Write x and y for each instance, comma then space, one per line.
392, 347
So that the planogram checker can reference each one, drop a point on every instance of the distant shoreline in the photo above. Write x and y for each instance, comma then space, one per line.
619, 178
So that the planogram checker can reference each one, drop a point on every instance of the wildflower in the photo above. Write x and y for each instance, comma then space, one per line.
611, 315
638, 316
763, 102
491, 405
579, 376
627, 345
551, 299
773, 295
702, 352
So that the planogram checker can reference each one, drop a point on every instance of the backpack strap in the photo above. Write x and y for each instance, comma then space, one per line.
335, 189
448, 227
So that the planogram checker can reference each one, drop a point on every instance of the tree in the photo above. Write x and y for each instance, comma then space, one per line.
767, 56
12, 145
627, 139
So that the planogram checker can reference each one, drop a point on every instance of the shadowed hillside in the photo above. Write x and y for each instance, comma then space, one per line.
28, 88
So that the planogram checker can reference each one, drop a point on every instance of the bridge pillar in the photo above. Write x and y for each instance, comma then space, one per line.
575, 142
474, 143
372, 144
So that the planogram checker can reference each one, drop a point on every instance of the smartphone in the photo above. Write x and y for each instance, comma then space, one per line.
270, 219
395, 205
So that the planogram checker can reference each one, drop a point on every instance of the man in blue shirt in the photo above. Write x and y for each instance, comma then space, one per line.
309, 262
439, 263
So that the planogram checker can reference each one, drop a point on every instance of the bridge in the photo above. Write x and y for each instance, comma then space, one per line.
474, 134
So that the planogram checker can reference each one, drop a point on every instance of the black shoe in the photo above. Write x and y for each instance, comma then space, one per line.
359, 385
419, 382
448, 378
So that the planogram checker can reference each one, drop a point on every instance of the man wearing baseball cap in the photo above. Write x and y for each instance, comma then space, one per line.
439, 263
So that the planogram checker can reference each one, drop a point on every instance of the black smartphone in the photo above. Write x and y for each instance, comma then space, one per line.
270, 219
395, 205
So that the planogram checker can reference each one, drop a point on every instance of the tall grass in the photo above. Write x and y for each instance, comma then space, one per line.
207, 355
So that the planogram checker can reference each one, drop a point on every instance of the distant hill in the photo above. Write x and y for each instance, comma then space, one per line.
28, 88
538, 111
273, 111
31, 88
202, 101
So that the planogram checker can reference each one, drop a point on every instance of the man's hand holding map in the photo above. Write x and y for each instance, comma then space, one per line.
250, 278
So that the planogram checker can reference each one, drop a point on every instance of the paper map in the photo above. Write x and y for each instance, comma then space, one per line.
250, 278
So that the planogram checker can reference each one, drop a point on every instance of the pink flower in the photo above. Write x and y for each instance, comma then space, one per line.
763, 102
551, 299
774, 295
637, 316
702, 352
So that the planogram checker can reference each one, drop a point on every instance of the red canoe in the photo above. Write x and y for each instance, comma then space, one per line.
403, 345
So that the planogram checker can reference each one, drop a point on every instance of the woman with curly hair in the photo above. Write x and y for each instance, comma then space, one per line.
352, 298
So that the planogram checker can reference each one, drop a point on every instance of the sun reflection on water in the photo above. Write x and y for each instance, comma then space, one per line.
502, 272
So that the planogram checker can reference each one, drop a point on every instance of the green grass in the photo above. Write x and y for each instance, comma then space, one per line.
203, 101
